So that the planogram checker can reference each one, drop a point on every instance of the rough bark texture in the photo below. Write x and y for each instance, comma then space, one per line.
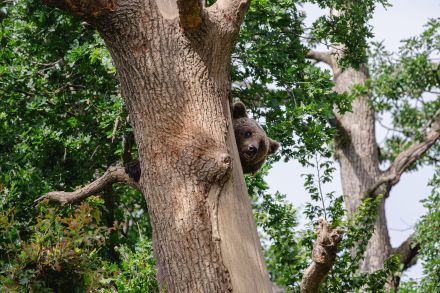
323, 256
175, 79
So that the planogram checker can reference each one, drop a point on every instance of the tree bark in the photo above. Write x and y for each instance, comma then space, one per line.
323, 257
356, 151
175, 79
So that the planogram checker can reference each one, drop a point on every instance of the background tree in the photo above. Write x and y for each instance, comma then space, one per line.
356, 148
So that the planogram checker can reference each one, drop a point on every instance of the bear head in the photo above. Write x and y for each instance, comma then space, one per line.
252, 141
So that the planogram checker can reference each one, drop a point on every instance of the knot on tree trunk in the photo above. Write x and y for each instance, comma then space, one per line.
204, 160
323, 256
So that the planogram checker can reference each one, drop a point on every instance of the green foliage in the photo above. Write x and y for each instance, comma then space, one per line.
286, 256
64, 254
62, 122
428, 237
313, 185
60, 254
58, 103
405, 85
137, 273
347, 27
272, 77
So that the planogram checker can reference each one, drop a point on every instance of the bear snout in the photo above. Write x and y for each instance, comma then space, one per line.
252, 149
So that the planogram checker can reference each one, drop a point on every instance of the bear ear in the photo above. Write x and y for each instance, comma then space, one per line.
239, 110
273, 146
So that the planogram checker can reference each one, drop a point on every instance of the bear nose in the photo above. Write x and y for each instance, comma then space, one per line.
253, 149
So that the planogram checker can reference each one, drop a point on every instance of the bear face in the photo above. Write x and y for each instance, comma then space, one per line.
252, 141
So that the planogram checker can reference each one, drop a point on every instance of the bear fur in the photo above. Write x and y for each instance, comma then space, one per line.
252, 141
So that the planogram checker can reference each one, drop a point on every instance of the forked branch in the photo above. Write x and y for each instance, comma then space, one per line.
190, 14
406, 158
323, 256
112, 175
84, 8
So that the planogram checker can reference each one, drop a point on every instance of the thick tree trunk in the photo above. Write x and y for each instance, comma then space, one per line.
356, 151
176, 86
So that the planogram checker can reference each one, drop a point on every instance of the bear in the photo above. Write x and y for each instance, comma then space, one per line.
252, 141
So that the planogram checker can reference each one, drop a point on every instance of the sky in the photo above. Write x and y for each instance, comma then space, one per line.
405, 18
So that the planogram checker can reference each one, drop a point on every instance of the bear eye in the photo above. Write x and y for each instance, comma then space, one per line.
247, 134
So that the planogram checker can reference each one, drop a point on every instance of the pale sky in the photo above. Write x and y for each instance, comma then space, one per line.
404, 19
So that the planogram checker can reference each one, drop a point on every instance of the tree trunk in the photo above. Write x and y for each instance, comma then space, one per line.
176, 86
356, 151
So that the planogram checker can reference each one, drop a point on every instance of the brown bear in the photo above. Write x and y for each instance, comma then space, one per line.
252, 142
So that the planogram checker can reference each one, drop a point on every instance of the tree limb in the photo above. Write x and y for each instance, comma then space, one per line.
84, 8
392, 175
407, 251
190, 14
112, 175
325, 57
323, 255
234, 10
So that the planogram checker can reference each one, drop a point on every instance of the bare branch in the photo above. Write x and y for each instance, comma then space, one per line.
325, 57
112, 175
81, 8
190, 14
407, 251
323, 255
234, 10
392, 175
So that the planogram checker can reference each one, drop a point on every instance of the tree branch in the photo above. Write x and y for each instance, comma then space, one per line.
190, 14
323, 255
407, 251
112, 175
234, 10
325, 57
404, 160
84, 8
